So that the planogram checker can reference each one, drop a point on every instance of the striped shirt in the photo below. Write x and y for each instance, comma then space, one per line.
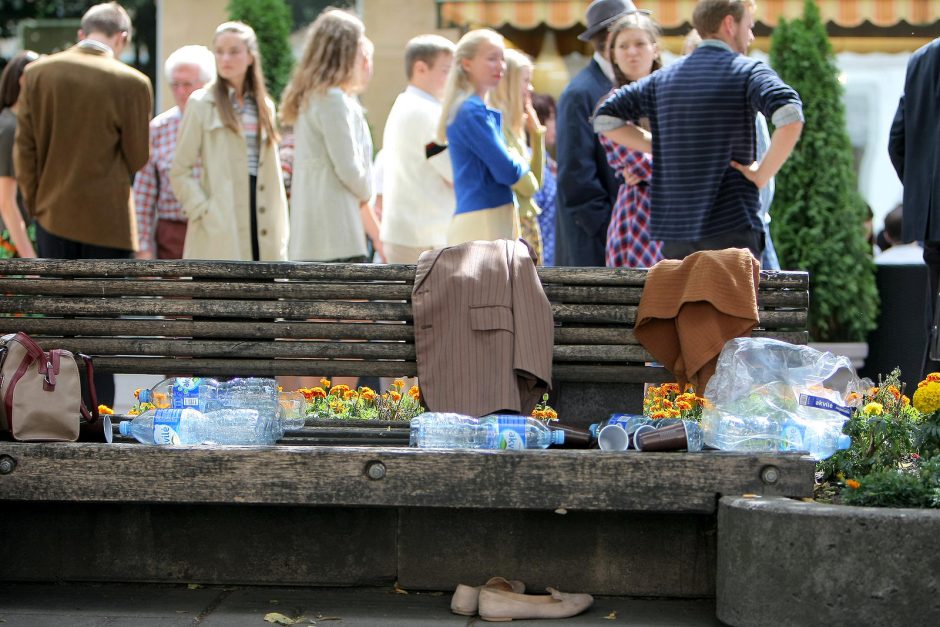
248, 114
153, 195
701, 111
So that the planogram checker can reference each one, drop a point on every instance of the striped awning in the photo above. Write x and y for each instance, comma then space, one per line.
563, 14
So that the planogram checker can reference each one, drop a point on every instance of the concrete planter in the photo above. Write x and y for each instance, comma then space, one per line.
784, 562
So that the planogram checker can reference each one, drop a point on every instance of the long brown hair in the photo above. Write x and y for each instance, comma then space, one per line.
636, 21
329, 60
254, 84
10, 79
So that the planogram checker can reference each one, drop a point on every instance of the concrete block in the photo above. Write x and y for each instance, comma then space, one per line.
783, 562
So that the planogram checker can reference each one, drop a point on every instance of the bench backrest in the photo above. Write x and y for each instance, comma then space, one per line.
219, 318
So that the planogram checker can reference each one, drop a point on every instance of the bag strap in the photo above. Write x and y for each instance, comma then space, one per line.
92, 416
34, 350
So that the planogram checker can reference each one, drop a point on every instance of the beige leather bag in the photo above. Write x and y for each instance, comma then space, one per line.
40, 391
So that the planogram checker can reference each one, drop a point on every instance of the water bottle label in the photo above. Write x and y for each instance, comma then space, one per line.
511, 432
166, 426
816, 402
186, 392
792, 438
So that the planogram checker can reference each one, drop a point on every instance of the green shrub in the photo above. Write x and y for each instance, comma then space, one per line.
272, 22
818, 214
919, 487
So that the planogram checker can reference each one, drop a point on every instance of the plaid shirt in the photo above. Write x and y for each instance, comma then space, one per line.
153, 196
628, 237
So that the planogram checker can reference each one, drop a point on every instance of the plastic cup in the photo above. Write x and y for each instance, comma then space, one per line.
640, 430
675, 437
613, 438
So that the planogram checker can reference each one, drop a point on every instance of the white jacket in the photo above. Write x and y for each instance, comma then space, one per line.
217, 205
332, 176
418, 196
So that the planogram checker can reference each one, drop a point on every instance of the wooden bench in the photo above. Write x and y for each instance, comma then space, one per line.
326, 515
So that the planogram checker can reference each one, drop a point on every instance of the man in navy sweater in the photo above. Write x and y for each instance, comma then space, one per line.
586, 186
701, 111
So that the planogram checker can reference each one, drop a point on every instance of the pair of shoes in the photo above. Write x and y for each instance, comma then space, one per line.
466, 598
502, 605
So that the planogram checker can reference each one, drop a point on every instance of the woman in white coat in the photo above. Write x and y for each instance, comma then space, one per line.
237, 209
332, 180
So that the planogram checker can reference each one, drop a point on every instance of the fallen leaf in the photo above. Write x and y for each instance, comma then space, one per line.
278, 618
611, 616
399, 589
194, 586
322, 617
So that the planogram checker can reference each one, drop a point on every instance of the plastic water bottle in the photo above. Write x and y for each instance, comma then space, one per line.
166, 427
437, 430
183, 392
820, 438
250, 393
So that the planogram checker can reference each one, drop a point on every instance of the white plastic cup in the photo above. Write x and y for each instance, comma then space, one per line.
613, 438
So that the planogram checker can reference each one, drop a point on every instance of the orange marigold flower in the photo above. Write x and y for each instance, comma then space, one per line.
667, 403
853, 397
339, 390
670, 387
852, 483
104, 409
933, 377
673, 413
367, 394
326, 383
396, 396
350, 395
873, 391
399, 383
656, 415
895, 392
414, 393
137, 393
905, 401
684, 405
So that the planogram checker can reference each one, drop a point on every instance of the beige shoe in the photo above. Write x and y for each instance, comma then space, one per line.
466, 598
500, 605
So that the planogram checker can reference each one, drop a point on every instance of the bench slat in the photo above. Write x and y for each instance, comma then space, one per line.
263, 270
412, 478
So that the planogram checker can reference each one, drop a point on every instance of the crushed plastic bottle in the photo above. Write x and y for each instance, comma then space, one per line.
183, 392
442, 430
167, 427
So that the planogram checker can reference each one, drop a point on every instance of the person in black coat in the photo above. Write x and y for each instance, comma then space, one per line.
586, 185
914, 148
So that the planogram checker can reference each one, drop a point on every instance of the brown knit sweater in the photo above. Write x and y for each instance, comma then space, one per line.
690, 308
81, 135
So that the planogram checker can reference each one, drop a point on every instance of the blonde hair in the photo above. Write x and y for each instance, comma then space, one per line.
458, 86
507, 97
328, 60
633, 21
254, 84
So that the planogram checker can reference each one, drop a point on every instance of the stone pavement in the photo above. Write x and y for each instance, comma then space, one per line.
159, 605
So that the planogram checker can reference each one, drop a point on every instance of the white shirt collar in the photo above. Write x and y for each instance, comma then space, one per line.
417, 91
96, 45
606, 66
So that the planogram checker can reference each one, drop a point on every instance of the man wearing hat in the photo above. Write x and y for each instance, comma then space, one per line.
587, 186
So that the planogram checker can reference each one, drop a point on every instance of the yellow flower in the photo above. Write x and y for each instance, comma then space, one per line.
146, 407
326, 383
104, 409
396, 396
399, 383
350, 395
367, 394
852, 483
927, 398
873, 409
415, 393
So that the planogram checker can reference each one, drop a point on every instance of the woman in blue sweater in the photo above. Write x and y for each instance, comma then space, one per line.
484, 171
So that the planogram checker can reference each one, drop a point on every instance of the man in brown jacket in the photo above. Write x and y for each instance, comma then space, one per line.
81, 135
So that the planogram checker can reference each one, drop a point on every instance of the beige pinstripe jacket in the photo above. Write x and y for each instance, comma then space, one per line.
484, 330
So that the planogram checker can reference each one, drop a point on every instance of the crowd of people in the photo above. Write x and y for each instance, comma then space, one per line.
466, 152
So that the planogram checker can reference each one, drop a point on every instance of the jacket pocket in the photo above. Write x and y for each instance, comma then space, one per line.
491, 318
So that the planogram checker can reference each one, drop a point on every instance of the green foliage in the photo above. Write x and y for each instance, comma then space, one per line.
818, 213
927, 441
919, 487
272, 22
883, 429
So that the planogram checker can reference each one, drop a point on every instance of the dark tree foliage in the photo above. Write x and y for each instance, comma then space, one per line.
272, 22
818, 214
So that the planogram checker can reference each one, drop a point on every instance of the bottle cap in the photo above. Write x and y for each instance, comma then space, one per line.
558, 437
124, 427
145, 396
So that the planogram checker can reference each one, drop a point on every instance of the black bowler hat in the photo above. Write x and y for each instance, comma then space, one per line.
602, 14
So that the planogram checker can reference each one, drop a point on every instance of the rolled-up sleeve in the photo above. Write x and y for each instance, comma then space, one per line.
771, 96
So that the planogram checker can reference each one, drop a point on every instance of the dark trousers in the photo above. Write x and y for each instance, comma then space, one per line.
52, 246
752, 240
932, 259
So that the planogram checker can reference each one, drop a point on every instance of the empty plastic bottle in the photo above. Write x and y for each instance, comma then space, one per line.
191, 426
438, 430
820, 438
182, 392
250, 393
